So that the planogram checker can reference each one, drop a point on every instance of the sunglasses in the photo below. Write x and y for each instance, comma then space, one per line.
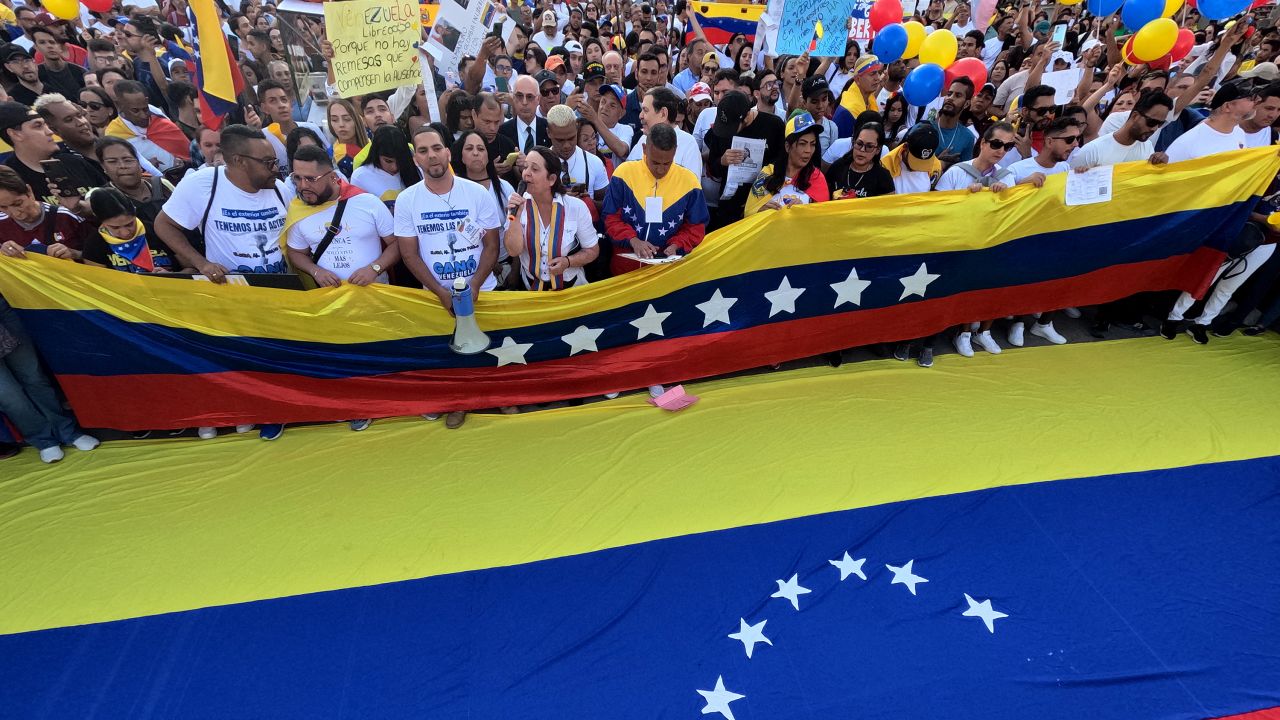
1040, 111
997, 145
1068, 139
550, 92
94, 106
1150, 121
711, 68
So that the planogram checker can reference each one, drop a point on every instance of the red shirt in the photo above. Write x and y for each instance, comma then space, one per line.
73, 54
60, 226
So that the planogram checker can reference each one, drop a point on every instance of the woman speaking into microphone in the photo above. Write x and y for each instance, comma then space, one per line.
549, 231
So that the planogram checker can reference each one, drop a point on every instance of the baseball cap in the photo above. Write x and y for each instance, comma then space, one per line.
813, 85
988, 89
1062, 56
546, 76
710, 58
922, 142
592, 71
548, 19
573, 46
14, 114
800, 123
16, 52
733, 109
1234, 90
699, 92
616, 91
866, 64
1268, 71
553, 62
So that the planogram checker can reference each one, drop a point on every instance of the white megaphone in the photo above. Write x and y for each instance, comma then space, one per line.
468, 338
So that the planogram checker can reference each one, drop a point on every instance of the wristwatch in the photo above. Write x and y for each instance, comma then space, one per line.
376, 268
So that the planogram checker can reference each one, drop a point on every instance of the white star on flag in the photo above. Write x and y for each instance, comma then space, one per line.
784, 298
915, 284
718, 700
977, 609
905, 576
627, 211
582, 339
717, 308
673, 224
510, 352
848, 566
662, 231
650, 323
750, 635
791, 590
850, 289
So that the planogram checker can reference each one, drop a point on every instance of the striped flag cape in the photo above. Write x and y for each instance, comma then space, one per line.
218, 77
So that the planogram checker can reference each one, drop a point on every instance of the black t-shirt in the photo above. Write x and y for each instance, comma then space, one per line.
499, 149
77, 165
845, 182
25, 95
69, 80
765, 126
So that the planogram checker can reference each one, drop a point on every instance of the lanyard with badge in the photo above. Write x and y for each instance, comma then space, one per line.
652, 211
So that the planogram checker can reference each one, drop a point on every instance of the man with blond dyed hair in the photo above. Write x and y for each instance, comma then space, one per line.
584, 174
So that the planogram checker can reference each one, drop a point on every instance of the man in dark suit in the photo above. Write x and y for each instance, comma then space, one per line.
526, 129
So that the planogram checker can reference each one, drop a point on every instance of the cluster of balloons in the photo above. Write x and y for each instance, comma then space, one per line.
896, 40
70, 9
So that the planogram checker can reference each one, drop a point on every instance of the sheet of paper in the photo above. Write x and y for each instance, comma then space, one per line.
657, 260
1063, 82
674, 399
653, 209
745, 172
1087, 188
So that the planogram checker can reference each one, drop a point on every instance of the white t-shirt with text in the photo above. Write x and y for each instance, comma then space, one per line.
357, 244
243, 230
450, 228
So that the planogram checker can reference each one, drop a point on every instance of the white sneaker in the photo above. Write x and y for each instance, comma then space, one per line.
656, 390
611, 396
51, 454
964, 344
85, 443
1048, 333
431, 416
1073, 313
242, 429
1016, 333
207, 433
988, 343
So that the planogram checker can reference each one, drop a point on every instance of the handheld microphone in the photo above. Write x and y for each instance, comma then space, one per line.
511, 215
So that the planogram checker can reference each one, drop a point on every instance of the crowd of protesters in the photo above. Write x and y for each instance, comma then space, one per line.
537, 167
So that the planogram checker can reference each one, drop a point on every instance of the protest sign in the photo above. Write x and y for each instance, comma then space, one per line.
459, 29
374, 44
797, 29
860, 25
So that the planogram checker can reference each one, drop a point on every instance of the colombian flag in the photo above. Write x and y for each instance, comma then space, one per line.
217, 72
139, 353
721, 21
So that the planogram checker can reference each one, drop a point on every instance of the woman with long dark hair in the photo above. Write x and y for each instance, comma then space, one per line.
122, 241
895, 118
796, 181
470, 160
550, 232
388, 166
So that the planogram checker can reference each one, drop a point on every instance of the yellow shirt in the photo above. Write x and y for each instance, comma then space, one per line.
853, 101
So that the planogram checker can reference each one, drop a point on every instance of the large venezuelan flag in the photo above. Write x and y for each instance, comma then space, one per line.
721, 21
1084, 531
218, 75
143, 353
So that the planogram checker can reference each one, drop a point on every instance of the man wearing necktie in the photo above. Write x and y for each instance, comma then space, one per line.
526, 129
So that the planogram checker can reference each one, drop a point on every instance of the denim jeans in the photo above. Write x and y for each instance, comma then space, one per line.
27, 395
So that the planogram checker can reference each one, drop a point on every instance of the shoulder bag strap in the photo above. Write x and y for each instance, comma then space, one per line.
330, 231
213, 191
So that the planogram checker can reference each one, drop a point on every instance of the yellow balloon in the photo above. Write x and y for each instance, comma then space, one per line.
1171, 7
63, 9
940, 48
1155, 39
915, 38
1070, 2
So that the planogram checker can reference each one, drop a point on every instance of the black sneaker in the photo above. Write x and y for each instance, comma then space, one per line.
834, 358
1099, 329
926, 357
1169, 329
902, 352
1222, 329
1199, 333
1253, 330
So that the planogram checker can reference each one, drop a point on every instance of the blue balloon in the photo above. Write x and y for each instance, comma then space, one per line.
1222, 9
1102, 8
923, 84
890, 43
1137, 13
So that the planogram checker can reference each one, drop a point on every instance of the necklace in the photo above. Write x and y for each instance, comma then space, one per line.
444, 199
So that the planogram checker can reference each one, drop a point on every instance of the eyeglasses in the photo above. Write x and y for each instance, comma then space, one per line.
550, 92
771, 85
300, 179
1068, 139
1151, 122
997, 145
859, 145
270, 163
711, 68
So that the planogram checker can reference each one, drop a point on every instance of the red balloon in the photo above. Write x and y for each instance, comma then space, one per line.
1186, 40
885, 12
969, 67
1163, 63
1127, 52
99, 6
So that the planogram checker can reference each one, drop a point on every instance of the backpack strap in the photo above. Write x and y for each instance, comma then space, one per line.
213, 192
330, 232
